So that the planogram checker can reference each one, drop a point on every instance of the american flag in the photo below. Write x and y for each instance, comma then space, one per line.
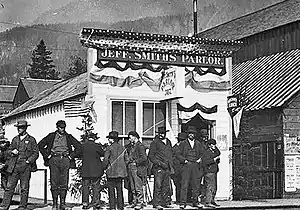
77, 108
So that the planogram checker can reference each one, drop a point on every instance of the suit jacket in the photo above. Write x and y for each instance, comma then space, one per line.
138, 156
182, 154
210, 165
46, 144
91, 164
31, 153
161, 155
116, 160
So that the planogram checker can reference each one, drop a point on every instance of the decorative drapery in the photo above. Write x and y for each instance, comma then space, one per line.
187, 113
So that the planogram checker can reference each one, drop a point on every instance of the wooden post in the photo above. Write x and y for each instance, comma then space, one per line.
195, 17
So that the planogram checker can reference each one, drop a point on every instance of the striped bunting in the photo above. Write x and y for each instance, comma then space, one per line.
77, 108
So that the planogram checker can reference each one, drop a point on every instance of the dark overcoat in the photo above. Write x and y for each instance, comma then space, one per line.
115, 161
91, 163
139, 156
31, 152
74, 148
161, 155
210, 165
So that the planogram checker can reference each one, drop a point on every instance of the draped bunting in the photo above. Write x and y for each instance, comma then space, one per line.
205, 70
198, 106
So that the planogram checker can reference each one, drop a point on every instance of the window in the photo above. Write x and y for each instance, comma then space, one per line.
125, 113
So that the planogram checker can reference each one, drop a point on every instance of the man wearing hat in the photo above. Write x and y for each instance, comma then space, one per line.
137, 168
190, 155
176, 177
161, 155
211, 159
22, 154
59, 149
115, 161
91, 171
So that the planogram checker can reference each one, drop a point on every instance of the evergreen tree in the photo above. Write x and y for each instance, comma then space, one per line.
77, 67
42, 65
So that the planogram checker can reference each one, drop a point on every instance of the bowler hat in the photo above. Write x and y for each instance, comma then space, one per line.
22, 123
191, 129
162, 130
134, 133
211, 141
182, 136
113, 135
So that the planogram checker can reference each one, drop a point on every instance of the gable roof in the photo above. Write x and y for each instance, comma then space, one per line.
269, 81
60, 91
276, 15
7, 93
35, 86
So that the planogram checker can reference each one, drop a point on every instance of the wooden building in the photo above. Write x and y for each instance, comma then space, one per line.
141, 81
266, 72
28, 88
7, 93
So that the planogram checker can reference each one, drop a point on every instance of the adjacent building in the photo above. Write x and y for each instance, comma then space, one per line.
7, 93
266, 72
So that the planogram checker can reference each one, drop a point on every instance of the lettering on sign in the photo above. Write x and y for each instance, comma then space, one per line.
153, 57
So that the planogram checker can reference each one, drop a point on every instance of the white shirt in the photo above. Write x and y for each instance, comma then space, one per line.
192, 143
23, 137
164, 141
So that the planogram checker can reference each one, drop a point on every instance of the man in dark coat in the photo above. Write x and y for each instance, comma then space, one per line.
115, 162
161, 155
92, 171
211, 159
190, 154
137, 168
59, 150
4, 145
176, 177
22, 155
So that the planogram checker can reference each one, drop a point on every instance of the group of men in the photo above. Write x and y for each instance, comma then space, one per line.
187, 163
193, 165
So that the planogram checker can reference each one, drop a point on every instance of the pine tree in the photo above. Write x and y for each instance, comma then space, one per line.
77, 67
42, 65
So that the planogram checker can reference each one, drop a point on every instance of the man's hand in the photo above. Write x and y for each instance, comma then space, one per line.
216, 159
199, 160
186, 161
15, 152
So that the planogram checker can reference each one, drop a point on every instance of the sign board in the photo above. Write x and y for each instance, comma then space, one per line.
232, 102
161, 58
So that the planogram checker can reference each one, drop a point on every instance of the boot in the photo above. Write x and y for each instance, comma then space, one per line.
55, 200
63, 194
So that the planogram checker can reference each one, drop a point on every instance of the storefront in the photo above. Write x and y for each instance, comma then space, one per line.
142, 81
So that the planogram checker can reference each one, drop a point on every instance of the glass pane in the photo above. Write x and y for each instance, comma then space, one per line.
160, 115
130, 117
117, 116
148, 115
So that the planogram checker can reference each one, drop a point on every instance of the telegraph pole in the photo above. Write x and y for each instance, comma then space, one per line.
195, 17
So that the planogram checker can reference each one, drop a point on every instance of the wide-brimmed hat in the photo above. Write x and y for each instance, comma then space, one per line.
182, 136
134, 133
22, 123
191, 129
211, 142
162, 130
113, 135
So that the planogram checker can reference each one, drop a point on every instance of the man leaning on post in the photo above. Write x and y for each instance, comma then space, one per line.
59, 150
22, 154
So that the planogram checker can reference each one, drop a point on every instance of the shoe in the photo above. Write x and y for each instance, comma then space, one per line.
208, 206
62, 206
55, 207
214, 203
198, 205
158, 207
138, 207
182, 206
167, 206
85, 206
132, 205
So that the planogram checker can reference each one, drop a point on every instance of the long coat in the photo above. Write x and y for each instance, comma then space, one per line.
46, 144
116, 160
210, 165
139, 156
91, 164
31, 152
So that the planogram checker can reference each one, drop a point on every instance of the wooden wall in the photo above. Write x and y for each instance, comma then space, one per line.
268, 42
291, 119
